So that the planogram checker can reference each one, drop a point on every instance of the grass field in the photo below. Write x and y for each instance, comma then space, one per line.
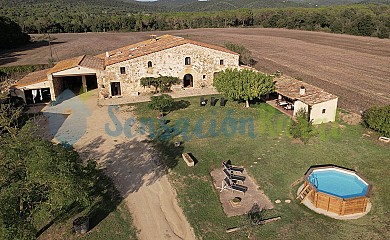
117, 225
109, 217
281, 161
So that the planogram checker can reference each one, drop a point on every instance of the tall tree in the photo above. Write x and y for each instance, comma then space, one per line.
39, 180
11, 34
245, 54
243, 84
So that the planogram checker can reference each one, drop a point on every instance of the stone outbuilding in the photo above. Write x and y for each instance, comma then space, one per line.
294, 95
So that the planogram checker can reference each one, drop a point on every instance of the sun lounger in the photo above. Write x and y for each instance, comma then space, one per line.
234, 177
230, 167
234, 187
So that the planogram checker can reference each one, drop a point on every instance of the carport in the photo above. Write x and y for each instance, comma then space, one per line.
78, 74
34, 88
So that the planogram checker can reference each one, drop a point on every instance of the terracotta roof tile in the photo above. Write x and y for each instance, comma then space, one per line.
92, 62
66, 64
84, 60
289, 87
150, 46
32, 78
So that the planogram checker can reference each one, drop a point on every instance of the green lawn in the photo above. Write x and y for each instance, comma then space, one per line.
280, 161
118, 225
109, 216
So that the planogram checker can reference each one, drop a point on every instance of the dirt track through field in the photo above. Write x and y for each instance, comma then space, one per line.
357, 69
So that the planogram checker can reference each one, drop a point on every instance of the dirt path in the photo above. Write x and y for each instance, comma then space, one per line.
130, 162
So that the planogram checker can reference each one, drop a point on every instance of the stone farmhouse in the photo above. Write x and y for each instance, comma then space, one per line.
117, 74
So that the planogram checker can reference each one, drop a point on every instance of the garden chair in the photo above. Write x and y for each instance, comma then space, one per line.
202, 102
213, 101
222, 102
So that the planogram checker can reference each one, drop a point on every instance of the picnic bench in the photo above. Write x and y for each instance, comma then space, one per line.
188, 159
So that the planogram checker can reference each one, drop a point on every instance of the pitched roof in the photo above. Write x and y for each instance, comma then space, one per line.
289, 87
32, 78
150, 46
92, 62
84, 61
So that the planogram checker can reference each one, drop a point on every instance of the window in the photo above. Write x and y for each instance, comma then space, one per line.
115, 89
187, 61
204, 76
150, 64
123, 70
221, 62
323, 110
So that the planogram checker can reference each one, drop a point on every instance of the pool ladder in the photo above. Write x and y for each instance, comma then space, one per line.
304, 193
314, 180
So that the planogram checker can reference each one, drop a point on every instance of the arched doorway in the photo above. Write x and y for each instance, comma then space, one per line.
188, 80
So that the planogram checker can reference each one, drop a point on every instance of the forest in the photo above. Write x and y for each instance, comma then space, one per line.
71, 16
11, 34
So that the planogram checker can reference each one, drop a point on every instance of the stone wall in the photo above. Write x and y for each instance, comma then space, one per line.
205, 62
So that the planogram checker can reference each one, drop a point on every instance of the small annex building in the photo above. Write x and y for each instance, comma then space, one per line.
320, 105
33, 88
78, 74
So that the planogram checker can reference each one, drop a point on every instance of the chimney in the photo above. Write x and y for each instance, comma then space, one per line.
302, 90
153, 36
107, 55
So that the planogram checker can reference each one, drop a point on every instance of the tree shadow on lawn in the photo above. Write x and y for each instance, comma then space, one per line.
103, 195
107, 199
177, 105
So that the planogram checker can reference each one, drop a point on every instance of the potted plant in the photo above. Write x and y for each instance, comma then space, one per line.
81, 224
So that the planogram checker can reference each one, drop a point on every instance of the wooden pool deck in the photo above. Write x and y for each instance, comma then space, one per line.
311, 206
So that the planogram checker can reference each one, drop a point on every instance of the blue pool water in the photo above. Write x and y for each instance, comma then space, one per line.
338, 183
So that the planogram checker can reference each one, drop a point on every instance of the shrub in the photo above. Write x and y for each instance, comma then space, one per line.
302, 128
245, 54
162, 82
162, 103
378, 119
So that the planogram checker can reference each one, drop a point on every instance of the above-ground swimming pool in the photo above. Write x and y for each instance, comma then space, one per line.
336, 190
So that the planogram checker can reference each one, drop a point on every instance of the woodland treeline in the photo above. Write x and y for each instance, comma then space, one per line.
11, 35
359, 19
